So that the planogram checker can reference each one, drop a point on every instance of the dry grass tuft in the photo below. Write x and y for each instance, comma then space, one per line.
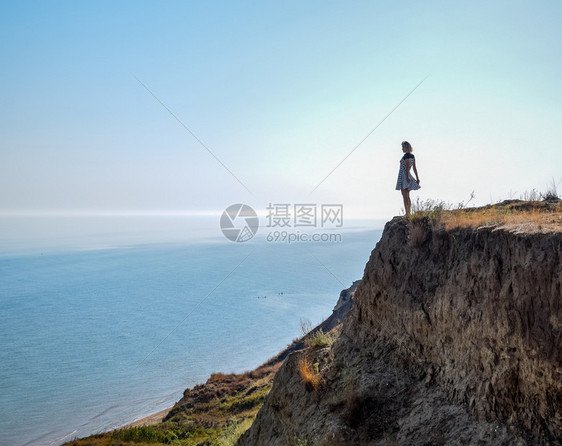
308, 375
533, 218
528, 216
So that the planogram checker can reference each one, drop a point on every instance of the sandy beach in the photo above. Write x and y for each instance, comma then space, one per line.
149, 420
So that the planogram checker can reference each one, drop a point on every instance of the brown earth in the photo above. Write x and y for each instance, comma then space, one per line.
455, 338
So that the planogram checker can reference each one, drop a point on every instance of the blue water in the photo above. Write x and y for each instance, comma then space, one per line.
100, 329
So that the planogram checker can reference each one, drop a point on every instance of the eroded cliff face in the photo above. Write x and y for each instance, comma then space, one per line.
455, 337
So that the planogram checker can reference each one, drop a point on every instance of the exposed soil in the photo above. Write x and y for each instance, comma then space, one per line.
455, 338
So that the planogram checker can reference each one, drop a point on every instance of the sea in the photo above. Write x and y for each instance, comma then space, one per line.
107, 319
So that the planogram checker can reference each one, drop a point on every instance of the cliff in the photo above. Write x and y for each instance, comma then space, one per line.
455, 337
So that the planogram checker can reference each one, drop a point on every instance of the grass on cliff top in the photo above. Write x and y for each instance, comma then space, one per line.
541, 212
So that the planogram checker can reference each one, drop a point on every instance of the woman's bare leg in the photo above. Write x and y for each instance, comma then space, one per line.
407, 202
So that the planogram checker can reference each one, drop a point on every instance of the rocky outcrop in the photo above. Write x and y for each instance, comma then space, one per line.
343, 306
455, 337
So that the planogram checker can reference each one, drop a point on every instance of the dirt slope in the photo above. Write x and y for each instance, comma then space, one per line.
455, 337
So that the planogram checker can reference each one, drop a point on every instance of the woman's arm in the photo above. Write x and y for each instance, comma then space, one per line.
416, 172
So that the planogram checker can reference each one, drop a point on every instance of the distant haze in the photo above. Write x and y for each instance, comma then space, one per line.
280, 93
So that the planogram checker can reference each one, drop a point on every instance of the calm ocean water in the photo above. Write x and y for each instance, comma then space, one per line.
107, 319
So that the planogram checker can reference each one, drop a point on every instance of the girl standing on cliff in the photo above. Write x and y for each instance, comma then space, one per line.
405, 181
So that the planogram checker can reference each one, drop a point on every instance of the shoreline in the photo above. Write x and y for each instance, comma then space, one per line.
238, 396
148, 420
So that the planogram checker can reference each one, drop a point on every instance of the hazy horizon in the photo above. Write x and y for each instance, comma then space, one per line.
189, 107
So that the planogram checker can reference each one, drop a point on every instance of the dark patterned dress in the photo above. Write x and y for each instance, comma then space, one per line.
402, 183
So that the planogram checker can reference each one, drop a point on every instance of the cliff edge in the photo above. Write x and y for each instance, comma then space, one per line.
454, 337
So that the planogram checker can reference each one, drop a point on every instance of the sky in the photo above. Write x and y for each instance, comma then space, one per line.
187, 107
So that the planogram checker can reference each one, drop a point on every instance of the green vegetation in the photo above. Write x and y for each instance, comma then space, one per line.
232, 433
218, 422
319, 339
163, 433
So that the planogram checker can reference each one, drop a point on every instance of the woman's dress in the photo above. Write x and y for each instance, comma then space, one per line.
402, 182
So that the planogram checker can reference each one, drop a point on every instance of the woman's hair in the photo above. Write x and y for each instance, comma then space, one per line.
408, 146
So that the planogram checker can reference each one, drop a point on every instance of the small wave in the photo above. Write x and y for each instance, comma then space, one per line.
101, 414
41, 441
64, 437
